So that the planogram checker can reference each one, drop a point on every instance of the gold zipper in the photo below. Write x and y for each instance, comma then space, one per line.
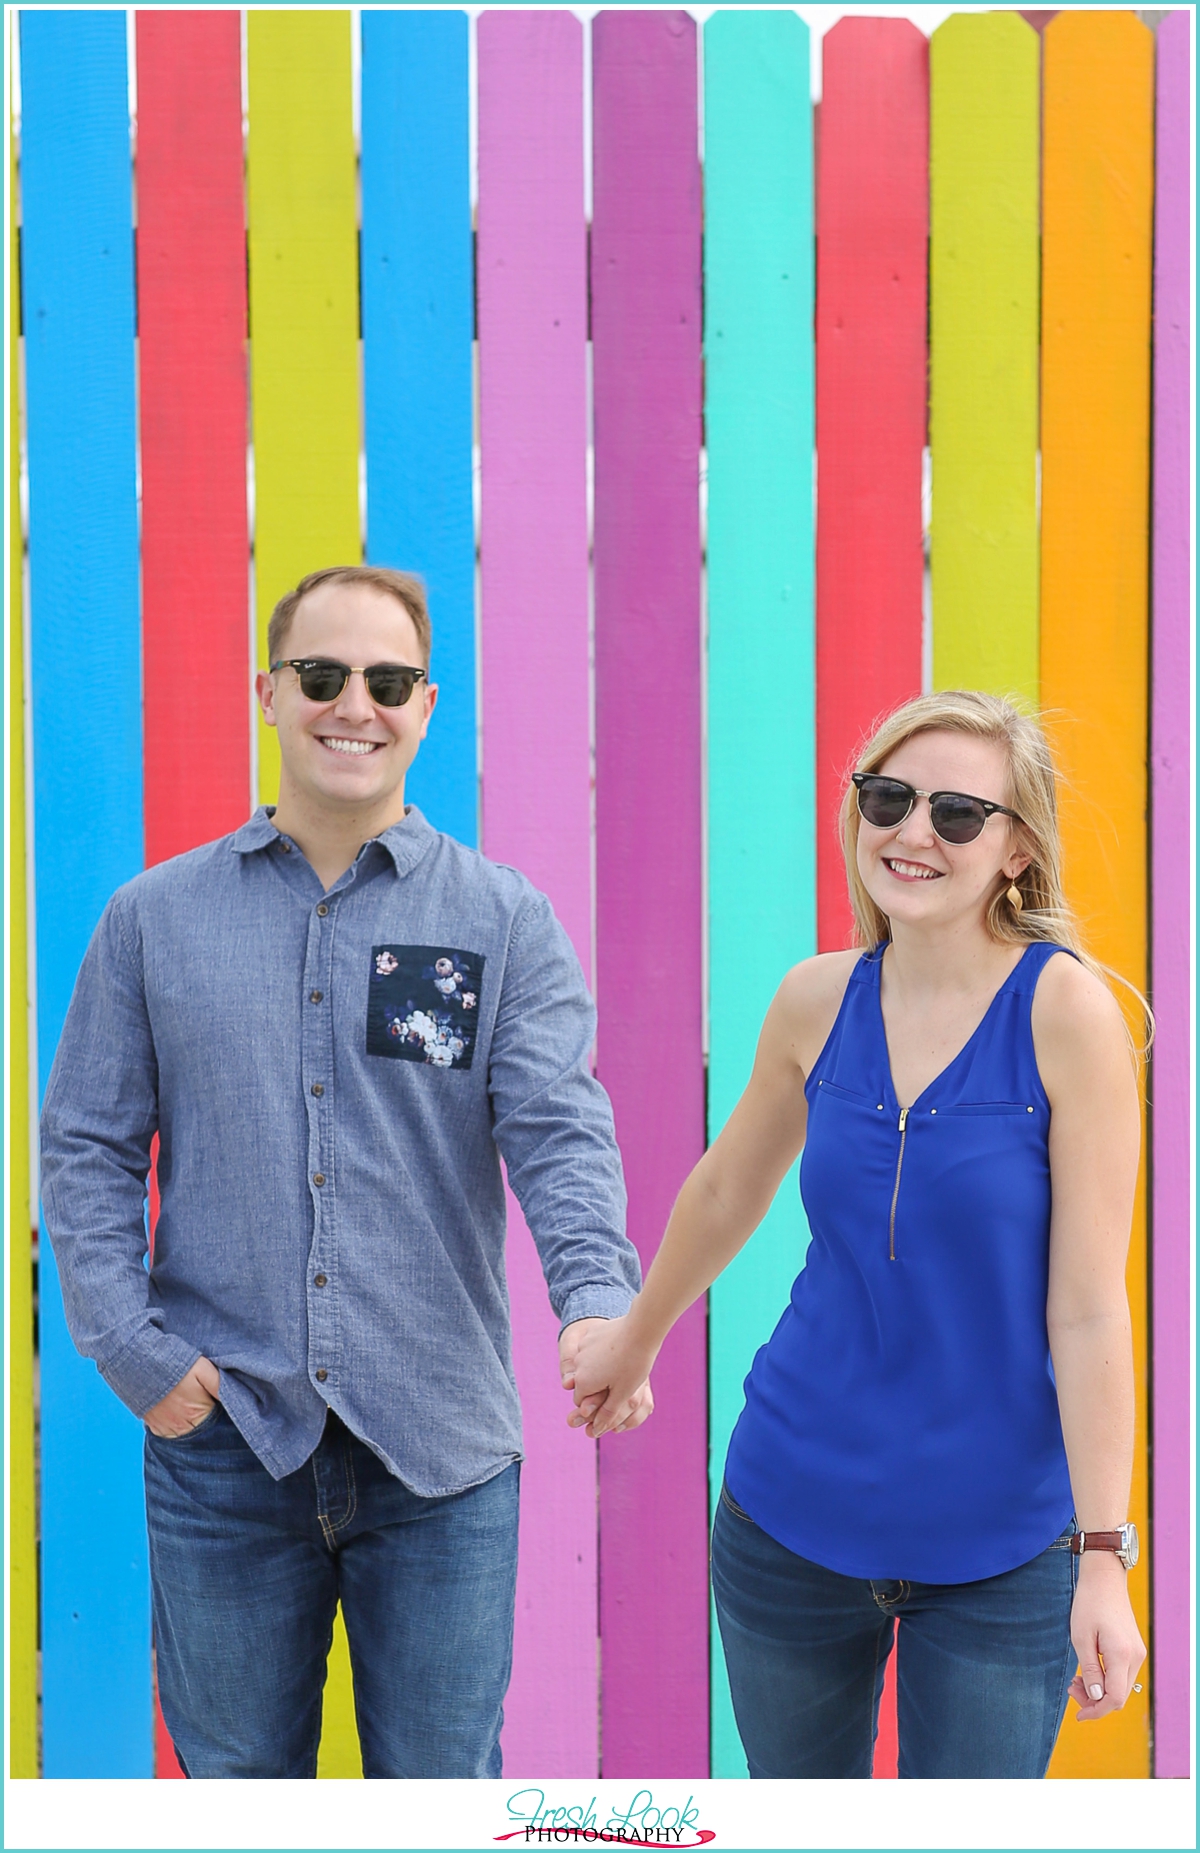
904, 1111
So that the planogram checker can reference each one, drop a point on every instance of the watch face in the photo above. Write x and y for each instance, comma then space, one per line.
1129, 1555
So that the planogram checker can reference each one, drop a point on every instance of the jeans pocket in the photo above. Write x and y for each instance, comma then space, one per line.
727, 1499
1063, 1540
171, 1441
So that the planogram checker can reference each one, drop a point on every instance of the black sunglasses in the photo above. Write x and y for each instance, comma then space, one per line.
322, 679
956, 818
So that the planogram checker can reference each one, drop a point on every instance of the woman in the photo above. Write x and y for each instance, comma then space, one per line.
946, 1404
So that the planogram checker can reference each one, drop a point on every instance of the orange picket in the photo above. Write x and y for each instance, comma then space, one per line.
1098, 143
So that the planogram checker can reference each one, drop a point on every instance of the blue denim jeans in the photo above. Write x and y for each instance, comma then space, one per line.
247, 1572
982, 1669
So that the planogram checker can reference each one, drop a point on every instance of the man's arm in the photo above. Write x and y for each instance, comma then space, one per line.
99, 1117
554, 1126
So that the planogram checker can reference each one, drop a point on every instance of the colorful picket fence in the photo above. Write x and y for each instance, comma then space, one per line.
652, 590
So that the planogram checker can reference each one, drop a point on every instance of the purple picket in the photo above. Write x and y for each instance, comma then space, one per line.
1170, 971
532, 298
646, 331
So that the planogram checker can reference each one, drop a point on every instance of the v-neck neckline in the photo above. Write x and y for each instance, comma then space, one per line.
955, 1059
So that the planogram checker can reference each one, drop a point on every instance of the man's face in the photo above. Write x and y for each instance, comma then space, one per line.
348, 754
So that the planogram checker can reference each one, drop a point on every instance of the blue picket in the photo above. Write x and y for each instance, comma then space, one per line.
78, 313
417, 312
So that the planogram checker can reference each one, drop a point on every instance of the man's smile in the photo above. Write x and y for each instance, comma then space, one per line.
340, 743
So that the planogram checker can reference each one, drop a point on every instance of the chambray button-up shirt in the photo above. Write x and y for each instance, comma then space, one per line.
333, 1078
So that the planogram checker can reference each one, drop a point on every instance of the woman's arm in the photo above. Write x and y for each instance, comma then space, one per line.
1083, 1057
724, 1199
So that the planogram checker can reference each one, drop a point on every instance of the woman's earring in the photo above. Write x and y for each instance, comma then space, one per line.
1013, 897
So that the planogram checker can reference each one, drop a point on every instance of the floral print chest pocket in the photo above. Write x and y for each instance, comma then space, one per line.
423, 1004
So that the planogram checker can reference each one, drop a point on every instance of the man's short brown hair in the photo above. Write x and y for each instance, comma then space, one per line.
405, 587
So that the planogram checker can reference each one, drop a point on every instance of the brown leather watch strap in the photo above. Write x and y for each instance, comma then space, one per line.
1096, 1541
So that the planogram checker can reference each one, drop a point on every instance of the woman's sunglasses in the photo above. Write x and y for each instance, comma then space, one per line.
322, 679
956, 818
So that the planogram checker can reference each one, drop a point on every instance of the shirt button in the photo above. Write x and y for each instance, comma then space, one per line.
314, 997
321, 1375
318, 1177
317, 1089
321, 1280
321, 908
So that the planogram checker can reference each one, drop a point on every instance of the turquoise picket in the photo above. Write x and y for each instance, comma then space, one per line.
758, 346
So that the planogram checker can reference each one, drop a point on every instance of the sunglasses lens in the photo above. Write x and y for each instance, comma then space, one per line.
884, 802
390, 684
322, 681
957, 818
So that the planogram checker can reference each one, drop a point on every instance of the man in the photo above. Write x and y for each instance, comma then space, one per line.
332, 1019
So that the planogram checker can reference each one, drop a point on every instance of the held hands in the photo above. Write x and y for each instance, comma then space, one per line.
1105, 1637
609, 1371
188, 1403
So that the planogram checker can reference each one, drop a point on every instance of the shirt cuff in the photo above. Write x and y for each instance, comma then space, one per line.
149, 1368
594, 1303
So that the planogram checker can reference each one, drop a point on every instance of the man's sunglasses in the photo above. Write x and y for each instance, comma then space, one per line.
322, 679
956, 818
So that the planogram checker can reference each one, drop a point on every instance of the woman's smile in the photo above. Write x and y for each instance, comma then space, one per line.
910, 871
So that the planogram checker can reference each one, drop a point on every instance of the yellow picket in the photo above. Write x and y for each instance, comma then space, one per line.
23, 1579
338, 1753
1097, 228
984, 352
303, 309
304, 389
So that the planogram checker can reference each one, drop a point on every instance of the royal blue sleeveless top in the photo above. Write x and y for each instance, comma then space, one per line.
902, 1420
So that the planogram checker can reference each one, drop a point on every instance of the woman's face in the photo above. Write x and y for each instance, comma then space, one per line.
909, 872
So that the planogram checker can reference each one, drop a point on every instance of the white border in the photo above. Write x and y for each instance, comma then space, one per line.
149, 1814
473, 1815
127, 1815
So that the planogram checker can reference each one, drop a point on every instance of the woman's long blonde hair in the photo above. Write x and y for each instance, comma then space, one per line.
1045, 912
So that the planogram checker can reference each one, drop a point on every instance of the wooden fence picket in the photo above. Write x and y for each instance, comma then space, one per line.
1096, 248
191, 284
303, 233
761, 752
872, 258
23, 1567
303, 223
191, 278
77, 287
417, 321
984, 82
532, 293
1170, 970
645, 279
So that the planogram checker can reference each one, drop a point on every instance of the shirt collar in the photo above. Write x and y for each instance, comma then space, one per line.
405, 842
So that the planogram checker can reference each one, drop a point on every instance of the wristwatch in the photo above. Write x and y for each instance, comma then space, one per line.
1123, 1543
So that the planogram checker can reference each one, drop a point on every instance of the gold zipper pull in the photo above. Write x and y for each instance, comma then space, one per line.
903, 1117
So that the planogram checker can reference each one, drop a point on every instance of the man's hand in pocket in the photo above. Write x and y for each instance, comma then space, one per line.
188, 1404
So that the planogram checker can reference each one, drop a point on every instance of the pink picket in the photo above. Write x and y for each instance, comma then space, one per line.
532, 296
646, 343
1170, 965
